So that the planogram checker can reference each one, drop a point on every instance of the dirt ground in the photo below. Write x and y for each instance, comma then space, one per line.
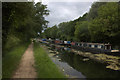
26, 67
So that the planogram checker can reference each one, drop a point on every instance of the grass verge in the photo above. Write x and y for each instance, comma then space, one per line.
11, 60
44, 65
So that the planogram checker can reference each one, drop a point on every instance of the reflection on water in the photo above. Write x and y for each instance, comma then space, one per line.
68, 70
75, 65
90, 69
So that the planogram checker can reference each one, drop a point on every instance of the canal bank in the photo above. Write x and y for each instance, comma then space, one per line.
45, 68
64, 67
87, 67
113, 62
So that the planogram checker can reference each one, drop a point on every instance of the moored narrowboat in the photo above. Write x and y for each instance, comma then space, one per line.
94, 47
88, 47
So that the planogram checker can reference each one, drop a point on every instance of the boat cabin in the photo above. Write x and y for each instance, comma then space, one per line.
108, 47
96, 45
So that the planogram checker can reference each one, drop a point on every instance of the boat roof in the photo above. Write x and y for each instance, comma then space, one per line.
94, 43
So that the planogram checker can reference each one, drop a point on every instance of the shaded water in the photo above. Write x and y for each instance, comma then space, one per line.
74, 65
67, 69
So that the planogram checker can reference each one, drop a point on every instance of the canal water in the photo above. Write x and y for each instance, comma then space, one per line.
76, 66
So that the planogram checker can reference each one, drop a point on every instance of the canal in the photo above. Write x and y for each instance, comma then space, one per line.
76, 66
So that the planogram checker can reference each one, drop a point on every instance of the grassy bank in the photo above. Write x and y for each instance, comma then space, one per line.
44, 65
11, 60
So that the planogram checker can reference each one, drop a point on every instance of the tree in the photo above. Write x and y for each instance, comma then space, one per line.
81, 32
22, 21
93, 13
106, 24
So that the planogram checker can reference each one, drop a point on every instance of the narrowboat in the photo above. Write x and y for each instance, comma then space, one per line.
88, 47
67, 43
60, 42
94, 47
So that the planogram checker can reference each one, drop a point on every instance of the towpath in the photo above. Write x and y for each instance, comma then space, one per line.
26, 67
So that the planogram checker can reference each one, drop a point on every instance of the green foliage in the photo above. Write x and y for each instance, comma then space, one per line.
93, 13
22, 21
106, 24
11, 60
82, 32
95, 28
51, 32
66, 30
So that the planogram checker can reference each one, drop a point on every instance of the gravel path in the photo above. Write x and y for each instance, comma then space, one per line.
26, 67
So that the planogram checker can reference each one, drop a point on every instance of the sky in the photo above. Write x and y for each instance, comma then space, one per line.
63, 11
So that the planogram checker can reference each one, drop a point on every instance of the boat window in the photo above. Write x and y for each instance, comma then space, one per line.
83, 45
80, 44
76, 44
102, 46
92, 46
108, 47
89, 45
99, 46
96, 46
